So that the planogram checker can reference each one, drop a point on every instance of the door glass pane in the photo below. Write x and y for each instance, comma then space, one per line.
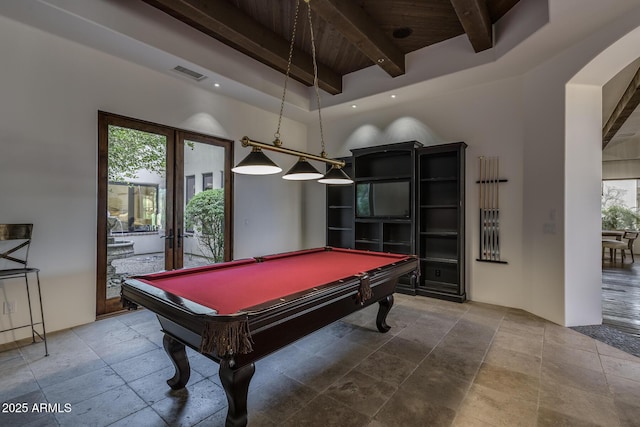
136, 207
204, 211
136, 203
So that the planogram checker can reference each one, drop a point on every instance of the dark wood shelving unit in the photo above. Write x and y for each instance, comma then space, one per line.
441, 221
406, 199
385, 201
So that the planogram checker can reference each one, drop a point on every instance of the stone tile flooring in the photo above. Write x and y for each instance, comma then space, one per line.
442, 364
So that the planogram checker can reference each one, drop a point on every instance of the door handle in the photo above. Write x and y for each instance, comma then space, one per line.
169, 238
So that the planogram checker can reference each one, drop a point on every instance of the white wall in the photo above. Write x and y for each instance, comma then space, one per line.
543, 210
583, 178
50, 92
621, 169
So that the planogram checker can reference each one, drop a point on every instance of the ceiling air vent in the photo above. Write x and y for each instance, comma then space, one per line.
193, 75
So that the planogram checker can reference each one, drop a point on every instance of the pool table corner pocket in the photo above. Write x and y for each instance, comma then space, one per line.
364, 289
226, 337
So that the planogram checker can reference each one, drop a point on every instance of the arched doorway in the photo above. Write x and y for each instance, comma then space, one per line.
583, 129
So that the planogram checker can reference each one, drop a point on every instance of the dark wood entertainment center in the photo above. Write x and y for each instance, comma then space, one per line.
407, 199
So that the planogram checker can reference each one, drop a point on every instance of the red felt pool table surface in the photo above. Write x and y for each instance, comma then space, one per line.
235, 286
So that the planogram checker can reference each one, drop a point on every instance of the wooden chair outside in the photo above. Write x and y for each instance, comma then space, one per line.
626, 244
15, 240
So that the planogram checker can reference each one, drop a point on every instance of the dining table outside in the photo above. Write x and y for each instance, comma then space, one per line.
617, 234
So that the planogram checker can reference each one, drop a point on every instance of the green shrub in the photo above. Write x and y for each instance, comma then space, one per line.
618, 217
204, 214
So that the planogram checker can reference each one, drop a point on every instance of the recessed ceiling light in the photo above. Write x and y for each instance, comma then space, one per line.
393, 96
354, 106
216, 84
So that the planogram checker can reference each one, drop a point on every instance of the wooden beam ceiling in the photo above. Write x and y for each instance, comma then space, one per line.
476, 21
350, 35
223, 21
626, 106
348, 18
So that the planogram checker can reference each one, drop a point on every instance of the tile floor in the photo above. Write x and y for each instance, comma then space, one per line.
442, 364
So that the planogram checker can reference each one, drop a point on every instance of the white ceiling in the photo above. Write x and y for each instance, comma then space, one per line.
531, 32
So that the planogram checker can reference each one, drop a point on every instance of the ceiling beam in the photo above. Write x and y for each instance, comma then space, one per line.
220, 19
476, 21
628, 103
355, 25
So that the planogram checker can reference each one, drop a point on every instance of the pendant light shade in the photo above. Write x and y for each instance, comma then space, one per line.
257, 163
301, 171
336, 176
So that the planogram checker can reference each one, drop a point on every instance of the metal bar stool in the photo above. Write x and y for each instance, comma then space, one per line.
15, 240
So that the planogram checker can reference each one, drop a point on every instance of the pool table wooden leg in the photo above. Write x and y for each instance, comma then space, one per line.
236, 385
178, 356
385, 306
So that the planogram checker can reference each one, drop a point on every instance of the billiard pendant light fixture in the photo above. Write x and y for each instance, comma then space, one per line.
257, 163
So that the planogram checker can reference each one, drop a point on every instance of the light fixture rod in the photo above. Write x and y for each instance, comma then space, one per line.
246, 142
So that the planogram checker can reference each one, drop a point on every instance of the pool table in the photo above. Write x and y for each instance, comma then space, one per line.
240, 311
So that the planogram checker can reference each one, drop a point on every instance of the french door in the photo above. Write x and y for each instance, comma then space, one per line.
164, 202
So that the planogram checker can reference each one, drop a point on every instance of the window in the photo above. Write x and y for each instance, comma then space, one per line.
620, 202
135, 206
207, 181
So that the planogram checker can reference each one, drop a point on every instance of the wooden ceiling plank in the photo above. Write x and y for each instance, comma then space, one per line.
221, 19
626, 106
476, 21
354, 24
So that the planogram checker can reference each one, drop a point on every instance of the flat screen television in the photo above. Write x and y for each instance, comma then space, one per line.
383, 199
